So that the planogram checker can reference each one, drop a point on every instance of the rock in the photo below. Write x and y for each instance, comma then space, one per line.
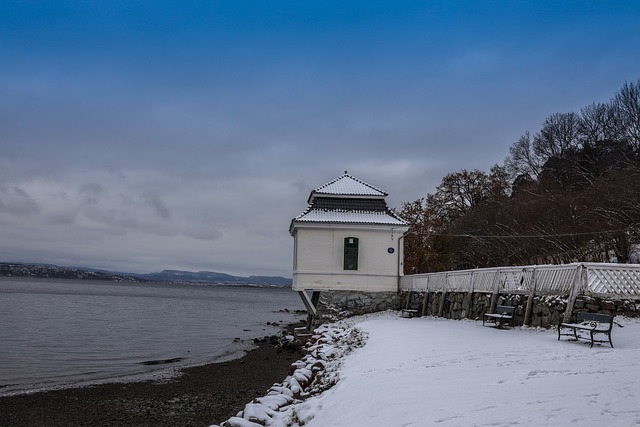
240, 422
258, 413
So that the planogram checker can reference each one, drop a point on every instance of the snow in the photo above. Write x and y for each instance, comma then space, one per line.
434, 371
358, 217
348, 185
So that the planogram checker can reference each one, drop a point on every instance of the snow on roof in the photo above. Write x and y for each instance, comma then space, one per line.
350, 217
347, 185
348, 200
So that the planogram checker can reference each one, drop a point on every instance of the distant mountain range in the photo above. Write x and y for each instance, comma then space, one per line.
170, 276
213, 277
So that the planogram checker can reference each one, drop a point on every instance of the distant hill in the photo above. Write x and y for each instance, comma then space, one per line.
215, 278
172, 276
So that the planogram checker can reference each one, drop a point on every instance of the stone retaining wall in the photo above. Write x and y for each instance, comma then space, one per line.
546, 310
336, 305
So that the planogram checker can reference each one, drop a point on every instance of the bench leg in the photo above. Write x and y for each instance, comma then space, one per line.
591, 336
609, 335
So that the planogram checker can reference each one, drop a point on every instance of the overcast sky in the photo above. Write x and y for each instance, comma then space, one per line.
147, 135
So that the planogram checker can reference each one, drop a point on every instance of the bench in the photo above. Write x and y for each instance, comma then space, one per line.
594, 323
503, 313
409, 313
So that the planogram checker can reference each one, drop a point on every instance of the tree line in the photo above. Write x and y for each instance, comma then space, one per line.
569, 192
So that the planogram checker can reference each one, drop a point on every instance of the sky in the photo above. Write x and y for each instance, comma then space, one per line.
140, 136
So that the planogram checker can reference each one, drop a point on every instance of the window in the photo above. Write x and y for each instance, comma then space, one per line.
351, 253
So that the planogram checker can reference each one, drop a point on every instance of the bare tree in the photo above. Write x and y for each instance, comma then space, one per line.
426, 245
556, 142
559, 133
570, 192
627, 101
600, 122
523, 160
458, 192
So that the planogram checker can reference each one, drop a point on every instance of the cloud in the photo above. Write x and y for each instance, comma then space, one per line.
152, 200
15, 201
126, 146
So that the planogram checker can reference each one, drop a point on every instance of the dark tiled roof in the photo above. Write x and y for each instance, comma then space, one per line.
370, 205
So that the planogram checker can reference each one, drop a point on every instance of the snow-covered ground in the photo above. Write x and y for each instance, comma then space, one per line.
439, 372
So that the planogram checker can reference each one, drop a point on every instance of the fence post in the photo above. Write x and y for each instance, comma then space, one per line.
426, 298
408, 302
470, 309
496, 291
444, 293
532, 291
575, 290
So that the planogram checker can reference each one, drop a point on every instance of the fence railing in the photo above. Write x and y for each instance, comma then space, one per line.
594, 279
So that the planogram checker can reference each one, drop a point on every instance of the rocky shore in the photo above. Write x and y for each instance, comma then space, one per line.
202, 395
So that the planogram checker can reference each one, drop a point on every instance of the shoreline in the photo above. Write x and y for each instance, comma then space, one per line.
197, 395
165, 371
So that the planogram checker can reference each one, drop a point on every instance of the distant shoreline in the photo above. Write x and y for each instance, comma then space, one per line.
50, 271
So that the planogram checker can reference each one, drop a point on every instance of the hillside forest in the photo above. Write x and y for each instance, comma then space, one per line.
569, 192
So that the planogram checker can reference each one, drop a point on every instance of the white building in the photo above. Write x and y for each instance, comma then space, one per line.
347, 240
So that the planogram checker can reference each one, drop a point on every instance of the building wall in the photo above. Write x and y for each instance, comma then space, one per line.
319, 252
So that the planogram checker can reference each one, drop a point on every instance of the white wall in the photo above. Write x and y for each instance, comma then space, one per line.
318, 259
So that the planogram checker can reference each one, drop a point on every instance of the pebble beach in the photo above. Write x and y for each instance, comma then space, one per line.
201, 395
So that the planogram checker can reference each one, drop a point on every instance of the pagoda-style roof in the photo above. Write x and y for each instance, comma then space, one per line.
348, 200
347, 186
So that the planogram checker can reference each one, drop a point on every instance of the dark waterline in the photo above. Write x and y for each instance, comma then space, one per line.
57, 332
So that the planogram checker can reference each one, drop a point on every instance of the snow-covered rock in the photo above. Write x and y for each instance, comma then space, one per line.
315, 372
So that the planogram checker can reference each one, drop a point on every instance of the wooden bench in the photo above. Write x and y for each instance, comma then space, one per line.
409, 313
503, 314
594, 323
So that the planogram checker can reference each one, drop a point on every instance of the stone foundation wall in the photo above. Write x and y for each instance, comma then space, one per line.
546, 310
336, 305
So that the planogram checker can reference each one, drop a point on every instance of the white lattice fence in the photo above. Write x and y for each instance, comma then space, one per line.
484, 280
459, 281
513, 280
613, 280
618, 280
556, 279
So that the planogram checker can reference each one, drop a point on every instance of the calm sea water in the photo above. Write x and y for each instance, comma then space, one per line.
57, 333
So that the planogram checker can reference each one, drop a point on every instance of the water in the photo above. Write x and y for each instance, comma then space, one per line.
58, 333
